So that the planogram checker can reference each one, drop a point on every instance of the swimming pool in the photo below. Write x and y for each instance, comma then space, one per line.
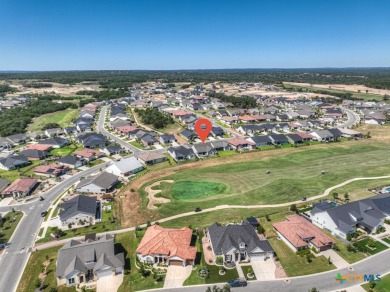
387, 189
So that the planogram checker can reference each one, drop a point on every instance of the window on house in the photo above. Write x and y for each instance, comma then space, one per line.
71, 281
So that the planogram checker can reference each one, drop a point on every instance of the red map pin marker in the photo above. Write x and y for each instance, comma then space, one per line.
203, 128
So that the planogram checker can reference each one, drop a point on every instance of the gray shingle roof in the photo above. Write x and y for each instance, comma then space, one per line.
83, 204
223, 238
82, 256
104, 180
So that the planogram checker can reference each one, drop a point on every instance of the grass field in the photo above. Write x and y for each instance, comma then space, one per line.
187, 190
382, 286
364, 96
11, 221
63, 118
293, 175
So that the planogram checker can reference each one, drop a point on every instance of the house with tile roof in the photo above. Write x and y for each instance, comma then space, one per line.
298, 233
20, 188
81, 263
51, 170
238, 243
168, 246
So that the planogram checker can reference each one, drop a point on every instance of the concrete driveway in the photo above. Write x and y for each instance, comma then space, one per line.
109, 284
336, 259
264, 270
176, 276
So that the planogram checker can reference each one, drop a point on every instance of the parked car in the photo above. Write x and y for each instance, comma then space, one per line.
237, 283
43, 214
303, 199
197, 209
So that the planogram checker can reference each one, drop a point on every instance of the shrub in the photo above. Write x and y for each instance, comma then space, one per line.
293, 208
219, 260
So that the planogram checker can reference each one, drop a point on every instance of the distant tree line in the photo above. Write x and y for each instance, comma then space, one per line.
371, 77
241, 102
16, 120
152, 116
37, 85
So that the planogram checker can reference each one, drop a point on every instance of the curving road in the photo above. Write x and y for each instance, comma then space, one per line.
353, 118
14, 259
376, 264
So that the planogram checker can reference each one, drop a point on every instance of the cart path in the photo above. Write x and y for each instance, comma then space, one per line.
220, 207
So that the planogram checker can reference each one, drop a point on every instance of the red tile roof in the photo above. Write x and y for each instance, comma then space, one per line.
296, 228
247, 118
126, 129
50, 169
87, 153
42, 147
168, 242
304, 135
239, 141
178, 113
21, 185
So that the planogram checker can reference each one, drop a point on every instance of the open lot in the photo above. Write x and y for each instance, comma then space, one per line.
67, 150
10, 222
63, 118
26, 171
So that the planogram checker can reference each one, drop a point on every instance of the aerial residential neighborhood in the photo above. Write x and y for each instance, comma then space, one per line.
194, 146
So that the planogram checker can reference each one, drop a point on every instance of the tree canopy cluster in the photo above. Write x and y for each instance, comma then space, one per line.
5, 88
50, 126
16, 120
241, 102
152, 116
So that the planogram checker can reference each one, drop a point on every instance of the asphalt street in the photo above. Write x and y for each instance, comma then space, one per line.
14, 258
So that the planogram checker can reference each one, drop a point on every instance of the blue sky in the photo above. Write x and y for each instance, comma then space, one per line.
168, 34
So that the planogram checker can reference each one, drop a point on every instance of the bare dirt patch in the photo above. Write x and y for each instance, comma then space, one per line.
151, 194
347, 87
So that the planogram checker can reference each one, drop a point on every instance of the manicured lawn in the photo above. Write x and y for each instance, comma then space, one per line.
67, 150
132, 281
214, 276
387, 240
220, 216
35, 267
11, 221
295, 265
108, 214
97, 228
226, 153
378, 246
63, 118
382, 286
95, 162
248, 184
136, 144
187, 190
245, 269
20, 172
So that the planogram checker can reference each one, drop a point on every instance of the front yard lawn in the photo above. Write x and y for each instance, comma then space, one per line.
10, 222
363, 245
386, 239
245, 269
382, 286
95, 162
296, 265
226, 153
136, 144
133, 280
214, 276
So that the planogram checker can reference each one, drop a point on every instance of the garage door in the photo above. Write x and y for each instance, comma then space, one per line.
257, 257
176, 263
104, 274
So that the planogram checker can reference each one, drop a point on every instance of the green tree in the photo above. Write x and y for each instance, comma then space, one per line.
293, 208
260, 229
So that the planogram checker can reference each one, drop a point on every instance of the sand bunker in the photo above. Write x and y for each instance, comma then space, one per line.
151, 194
